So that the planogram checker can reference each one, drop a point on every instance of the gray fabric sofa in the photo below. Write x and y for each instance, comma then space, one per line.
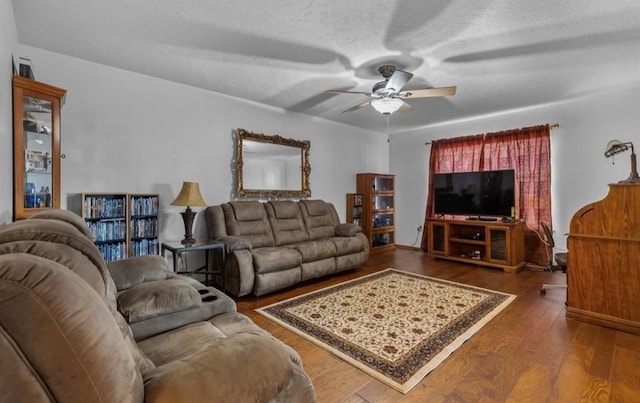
277, 244
64, 335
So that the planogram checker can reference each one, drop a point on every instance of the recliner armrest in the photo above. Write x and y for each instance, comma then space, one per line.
348, 229
232, 243
127, 273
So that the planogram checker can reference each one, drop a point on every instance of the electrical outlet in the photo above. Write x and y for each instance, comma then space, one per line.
419, 228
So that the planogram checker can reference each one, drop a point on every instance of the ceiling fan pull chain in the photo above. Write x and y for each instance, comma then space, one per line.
387, 115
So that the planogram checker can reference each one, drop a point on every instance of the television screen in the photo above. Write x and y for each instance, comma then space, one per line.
487, 193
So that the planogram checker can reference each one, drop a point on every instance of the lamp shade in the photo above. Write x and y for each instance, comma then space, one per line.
189, 196
615, 147
387, 106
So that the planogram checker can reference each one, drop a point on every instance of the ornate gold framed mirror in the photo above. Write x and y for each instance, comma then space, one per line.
270, 166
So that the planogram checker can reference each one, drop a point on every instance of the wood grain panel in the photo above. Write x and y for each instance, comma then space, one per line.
604, 260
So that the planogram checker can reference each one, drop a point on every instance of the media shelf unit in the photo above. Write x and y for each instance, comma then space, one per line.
378, 209
122, 224
486, 243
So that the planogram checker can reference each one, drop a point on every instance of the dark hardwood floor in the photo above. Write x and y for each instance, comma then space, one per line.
529, 353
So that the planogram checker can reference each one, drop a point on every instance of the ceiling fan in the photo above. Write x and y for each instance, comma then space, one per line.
387, 96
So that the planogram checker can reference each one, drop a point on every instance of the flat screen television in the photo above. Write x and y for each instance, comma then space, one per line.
486, 193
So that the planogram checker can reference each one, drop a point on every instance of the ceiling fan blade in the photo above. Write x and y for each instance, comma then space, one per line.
406, 107
348, 92
428, 92
398, 80
359, 106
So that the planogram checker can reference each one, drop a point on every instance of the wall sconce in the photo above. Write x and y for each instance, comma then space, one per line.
616, 147
189, 196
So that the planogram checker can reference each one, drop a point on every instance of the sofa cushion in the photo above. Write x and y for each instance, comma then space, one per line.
318, 218
284, 209
60, 232
248, 219
315, 250
70, 342
318, 268
276, 280
67, 256
348, 245
266, 260
66, 216
316, 207
286, 222
127, 273
148, 300
61, 242
218, 364
247, 210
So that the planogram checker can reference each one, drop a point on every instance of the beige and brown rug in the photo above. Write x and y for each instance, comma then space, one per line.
395, 326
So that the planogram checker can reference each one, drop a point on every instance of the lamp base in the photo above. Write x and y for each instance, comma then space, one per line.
188, 241
633, 177
187, 216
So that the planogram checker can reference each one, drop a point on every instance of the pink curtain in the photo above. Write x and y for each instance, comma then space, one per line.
527, 151
461, 154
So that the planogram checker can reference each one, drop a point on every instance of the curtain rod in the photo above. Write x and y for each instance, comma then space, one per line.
551, 126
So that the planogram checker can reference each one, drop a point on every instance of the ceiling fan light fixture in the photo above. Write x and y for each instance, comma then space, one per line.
387, 106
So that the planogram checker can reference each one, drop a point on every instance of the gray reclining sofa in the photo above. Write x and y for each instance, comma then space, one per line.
66, 322
277, 244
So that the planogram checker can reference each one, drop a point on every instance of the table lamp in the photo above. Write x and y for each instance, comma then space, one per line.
189, 196
615, 147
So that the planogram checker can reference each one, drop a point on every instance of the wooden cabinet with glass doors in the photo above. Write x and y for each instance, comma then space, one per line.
485, 243
36, 146
378, 209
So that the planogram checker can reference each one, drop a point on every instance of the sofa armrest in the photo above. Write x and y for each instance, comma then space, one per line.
348, 229
157, 298
233, 243
127, 273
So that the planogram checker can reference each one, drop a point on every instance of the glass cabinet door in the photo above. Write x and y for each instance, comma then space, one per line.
438, 237
498, 247
36, 146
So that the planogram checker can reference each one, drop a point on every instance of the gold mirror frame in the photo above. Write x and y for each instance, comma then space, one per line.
305, 167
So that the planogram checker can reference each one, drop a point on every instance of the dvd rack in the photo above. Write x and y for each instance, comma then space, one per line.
122, 225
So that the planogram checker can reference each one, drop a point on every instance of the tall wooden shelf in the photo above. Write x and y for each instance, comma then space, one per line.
36, 146
485, 243
123, 225
378, 209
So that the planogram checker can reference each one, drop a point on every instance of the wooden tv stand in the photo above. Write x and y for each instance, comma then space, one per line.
486, 243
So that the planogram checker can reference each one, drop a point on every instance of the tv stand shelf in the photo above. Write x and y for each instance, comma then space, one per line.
485, 243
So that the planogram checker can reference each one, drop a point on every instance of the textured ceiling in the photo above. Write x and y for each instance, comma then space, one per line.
501, 54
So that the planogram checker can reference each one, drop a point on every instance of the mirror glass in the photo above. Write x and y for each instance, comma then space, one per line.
272, 166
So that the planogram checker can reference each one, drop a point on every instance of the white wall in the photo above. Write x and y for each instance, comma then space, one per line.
126, 132
579, 171
8, 44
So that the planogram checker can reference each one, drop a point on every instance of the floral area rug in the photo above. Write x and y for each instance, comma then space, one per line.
395, 326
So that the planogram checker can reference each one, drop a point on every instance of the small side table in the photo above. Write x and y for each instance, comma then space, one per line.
177, 249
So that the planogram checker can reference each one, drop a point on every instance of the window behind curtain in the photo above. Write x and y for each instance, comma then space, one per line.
526, 151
